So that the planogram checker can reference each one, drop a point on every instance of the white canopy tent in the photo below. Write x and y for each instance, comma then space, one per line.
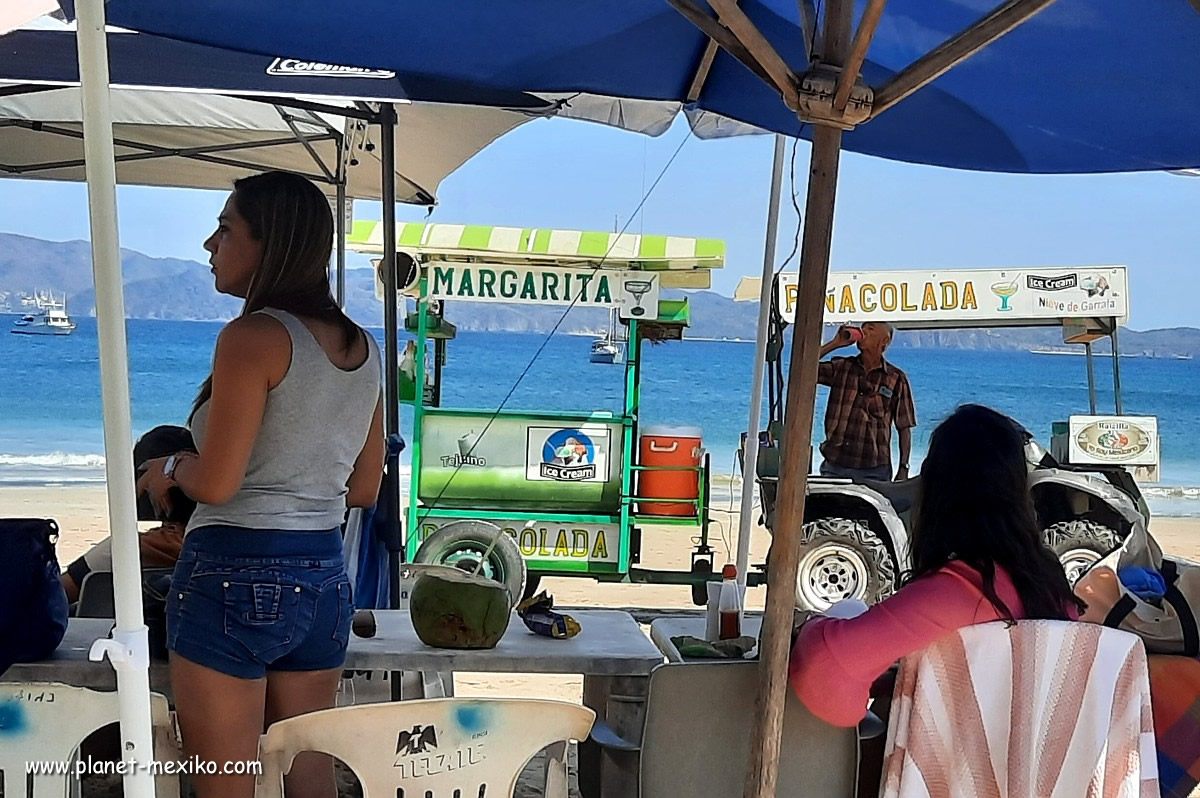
146, 138
195, 140
201, 140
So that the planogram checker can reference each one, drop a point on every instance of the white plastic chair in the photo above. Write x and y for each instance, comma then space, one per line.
438, 748
47, 722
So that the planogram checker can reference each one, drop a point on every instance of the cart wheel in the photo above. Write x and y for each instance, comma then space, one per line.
463, 544
700, 589
532, 583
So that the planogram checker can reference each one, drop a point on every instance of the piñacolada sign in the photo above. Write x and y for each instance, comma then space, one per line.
965, 297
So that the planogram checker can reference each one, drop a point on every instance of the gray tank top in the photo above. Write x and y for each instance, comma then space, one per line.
314, 426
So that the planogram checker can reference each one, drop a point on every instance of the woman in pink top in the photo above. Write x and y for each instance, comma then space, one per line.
977, 556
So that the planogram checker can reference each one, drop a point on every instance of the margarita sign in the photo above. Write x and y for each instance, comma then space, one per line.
634, 294
961, 297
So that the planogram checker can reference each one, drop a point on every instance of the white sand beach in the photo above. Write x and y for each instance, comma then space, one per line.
81, 516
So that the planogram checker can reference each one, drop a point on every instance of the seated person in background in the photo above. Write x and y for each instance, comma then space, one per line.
977, 556
160, 546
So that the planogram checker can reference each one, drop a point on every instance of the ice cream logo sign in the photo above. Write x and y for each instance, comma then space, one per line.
633, 294
1090, 294
568, 455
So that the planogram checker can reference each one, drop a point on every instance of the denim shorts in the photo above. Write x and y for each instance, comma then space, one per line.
247, 601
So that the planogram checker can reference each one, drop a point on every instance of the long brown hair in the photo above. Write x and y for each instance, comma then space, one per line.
293, 220
975, 506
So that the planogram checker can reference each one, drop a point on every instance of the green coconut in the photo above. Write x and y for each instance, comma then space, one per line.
455, 609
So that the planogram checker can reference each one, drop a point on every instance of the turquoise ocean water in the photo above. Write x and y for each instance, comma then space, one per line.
50, 421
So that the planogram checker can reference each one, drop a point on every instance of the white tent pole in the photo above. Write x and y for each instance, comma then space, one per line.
750, 461
340, 226
128, 650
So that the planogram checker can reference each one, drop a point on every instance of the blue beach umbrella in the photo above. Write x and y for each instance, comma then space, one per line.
1025, 86
1078, 86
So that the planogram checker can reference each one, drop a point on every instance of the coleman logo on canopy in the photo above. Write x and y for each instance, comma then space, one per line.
291, 67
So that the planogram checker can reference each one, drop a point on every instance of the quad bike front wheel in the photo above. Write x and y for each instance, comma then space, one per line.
1080, 544
841, 559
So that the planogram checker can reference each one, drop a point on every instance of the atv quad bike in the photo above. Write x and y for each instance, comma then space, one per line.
855, 537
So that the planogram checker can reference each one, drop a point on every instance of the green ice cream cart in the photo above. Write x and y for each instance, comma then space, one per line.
570, 489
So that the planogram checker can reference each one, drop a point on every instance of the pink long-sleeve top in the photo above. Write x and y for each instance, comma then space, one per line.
835, 661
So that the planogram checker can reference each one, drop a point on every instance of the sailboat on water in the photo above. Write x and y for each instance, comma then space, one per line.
607, 348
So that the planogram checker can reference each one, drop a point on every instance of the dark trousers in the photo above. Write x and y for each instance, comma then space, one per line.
881, 473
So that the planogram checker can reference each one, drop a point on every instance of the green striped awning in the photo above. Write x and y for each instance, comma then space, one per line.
686, 262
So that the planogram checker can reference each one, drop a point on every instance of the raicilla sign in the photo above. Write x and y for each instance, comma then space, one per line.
633, 293
962, 297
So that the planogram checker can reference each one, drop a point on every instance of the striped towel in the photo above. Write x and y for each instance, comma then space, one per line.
1045, 709
1175, 692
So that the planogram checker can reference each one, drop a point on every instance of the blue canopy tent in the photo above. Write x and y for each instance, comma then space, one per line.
1027, 86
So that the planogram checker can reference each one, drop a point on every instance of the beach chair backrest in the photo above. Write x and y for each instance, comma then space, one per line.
438, 748
696, 740
46, 722
1039, 708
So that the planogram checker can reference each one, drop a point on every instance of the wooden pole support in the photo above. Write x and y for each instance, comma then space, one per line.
700, 77
772, 62
718, 33
858, 53
808, 27
763, 770
954, 51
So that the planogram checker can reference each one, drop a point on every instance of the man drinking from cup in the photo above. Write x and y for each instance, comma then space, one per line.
867, 397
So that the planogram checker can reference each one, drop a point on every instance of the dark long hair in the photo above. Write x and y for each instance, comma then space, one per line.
293, 220
975, 506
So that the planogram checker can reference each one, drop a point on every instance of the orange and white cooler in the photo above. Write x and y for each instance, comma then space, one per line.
680, 447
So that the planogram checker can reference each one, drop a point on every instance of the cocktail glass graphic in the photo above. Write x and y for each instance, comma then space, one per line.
468, 442
1005, 291
638, 288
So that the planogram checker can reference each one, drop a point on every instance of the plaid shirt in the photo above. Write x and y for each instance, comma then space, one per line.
862, 409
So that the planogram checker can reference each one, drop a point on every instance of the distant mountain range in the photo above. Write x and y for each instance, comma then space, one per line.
170, 288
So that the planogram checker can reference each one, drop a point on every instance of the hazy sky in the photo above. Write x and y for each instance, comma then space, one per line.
555, 173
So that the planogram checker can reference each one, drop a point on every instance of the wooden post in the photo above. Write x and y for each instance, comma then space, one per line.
761, 776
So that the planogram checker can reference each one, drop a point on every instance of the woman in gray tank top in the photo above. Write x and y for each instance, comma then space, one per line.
289, 434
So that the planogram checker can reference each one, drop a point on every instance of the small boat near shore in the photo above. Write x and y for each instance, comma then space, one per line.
51, 319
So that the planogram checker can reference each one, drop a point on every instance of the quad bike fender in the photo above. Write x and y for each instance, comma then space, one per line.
871, 502
1081, 487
